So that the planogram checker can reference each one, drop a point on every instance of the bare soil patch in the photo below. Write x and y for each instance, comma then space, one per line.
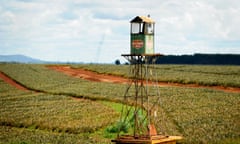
10, 81
96, 77
89, 75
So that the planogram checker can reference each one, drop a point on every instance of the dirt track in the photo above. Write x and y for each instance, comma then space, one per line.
12, 82
89, 75
92, 76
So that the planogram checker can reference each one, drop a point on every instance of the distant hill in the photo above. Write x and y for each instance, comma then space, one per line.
203, 59
19, 59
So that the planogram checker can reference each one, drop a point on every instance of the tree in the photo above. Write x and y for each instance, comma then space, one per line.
117, 62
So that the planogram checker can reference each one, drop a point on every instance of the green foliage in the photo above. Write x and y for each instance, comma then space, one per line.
200, 115
52, 113
119, 70
186, 74
40, 78
55, 113
13, 135
118, 127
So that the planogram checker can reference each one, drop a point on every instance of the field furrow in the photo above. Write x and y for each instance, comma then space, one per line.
200, 115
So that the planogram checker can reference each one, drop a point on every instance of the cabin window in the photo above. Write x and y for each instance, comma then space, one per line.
150, 28
137, 28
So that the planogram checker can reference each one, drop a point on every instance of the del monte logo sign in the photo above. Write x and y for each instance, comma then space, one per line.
137, 44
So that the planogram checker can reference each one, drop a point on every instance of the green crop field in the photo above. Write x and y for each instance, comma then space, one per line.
40, 118
50, 114
185, 74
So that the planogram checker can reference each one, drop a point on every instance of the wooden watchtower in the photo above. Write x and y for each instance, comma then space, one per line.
138, 109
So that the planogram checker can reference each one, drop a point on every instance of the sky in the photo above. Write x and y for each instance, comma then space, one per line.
98, 31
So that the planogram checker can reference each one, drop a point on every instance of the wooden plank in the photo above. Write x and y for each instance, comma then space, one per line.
160, 139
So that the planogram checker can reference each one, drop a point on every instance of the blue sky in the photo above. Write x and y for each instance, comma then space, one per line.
98, 30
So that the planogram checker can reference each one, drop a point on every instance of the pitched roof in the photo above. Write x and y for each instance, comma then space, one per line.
142, 19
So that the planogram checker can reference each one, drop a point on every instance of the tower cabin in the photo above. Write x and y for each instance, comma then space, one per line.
142, 35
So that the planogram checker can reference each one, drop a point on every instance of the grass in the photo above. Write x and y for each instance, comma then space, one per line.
200, 115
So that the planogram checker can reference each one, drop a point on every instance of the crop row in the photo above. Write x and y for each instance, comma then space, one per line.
203, 116
54, 113
186, 74
40, 78
200, 115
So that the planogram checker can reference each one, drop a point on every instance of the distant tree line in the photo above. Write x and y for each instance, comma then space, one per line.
205, 59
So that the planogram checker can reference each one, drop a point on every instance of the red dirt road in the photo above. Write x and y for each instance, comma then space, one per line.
92, 76
89, 75
12, 82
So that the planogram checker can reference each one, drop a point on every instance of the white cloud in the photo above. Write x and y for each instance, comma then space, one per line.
77, 30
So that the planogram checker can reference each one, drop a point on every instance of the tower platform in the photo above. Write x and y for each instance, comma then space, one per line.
158, 139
